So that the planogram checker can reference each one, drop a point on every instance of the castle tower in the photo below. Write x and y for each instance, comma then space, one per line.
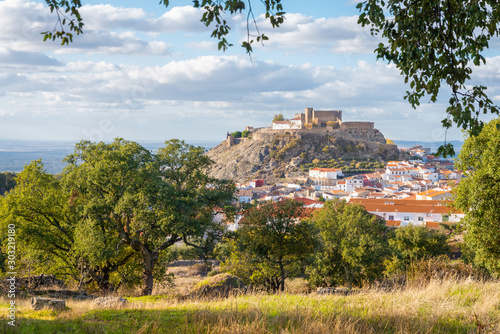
309, 115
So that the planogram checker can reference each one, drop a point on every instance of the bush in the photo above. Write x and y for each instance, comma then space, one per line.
236, 134
245, 133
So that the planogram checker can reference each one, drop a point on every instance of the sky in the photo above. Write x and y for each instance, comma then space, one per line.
149, 73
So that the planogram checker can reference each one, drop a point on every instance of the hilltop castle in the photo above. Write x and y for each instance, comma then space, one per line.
311, 118
311, 121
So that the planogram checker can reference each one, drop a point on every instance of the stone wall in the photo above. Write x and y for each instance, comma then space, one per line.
357, 125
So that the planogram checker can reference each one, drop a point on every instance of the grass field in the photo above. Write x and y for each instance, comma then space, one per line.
440, 307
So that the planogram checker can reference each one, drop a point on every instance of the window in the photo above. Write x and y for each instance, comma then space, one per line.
420, 219
446, 218
391, 217
406, 218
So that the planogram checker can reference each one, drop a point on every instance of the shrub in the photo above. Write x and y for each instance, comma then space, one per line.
245, 133
236, 134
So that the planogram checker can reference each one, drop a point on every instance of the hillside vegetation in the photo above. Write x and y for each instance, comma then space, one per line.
272, 156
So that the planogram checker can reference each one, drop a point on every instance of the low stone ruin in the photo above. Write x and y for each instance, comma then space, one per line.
38, 303
109, 302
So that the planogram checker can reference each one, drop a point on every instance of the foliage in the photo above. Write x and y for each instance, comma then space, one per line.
412, 243
278, 118
44, 220
69, 20
142, 201
7, 182
246, 133
442, 268
236, 134
354, 245
389, 141
272, 239
477, 195
434, 43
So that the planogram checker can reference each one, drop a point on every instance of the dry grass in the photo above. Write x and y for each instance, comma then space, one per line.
439, 307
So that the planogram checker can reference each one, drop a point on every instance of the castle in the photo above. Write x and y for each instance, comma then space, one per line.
311, 118
310, 121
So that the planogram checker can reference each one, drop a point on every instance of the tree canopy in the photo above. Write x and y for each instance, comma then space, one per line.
117, 204
436, 43
353, 245
477, 196
271, 241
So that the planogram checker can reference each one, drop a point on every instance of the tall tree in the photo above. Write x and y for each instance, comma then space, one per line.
148, 201
354, 245
272, 239
436, 43
477, 195
47, 219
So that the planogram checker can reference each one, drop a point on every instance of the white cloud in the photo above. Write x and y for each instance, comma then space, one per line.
305, 34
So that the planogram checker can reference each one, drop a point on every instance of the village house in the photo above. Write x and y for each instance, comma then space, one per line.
403, 212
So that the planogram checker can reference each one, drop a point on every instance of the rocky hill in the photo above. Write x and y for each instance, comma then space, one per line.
272, 154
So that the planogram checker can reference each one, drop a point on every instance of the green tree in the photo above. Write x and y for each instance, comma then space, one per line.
7, 182
47, 218
477, 195
434, 43
412, 243
245, 133
271, 242
149, 202
278, 118
353, 245
236, 134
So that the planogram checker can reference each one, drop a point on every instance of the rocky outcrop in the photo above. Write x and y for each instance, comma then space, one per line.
270, 155
109, 302
38, 303
222, 285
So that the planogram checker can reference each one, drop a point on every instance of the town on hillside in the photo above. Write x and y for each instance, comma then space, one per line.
405, 192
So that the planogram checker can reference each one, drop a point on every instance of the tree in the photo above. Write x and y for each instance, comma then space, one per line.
271, 240
437, 42
7, 182
47, 219
236, 134
147, 201
477, 195
353, 245
278, 118
412, 243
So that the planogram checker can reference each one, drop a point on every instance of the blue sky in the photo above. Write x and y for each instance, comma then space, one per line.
145, 72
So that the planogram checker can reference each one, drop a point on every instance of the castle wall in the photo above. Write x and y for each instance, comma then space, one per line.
357, 125
324, 116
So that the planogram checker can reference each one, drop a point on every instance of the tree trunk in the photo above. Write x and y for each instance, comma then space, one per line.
148, 265
282, 283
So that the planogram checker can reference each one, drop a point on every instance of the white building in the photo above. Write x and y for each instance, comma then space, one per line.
325, 173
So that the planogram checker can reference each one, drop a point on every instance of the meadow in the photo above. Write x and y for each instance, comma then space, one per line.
438, 307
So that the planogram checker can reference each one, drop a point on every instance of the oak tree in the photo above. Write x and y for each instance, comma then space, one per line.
353, 245
477, 195
272, 241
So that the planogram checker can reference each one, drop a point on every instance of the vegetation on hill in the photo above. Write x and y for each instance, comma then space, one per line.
273, 156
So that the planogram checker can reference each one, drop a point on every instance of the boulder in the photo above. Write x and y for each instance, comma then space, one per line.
38, 303
221, 285
109, 302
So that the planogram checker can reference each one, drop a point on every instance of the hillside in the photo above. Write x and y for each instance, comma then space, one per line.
271, 154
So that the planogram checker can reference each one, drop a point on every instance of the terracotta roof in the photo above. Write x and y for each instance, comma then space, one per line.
403, 205
281, 122
393, 223
326, 169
